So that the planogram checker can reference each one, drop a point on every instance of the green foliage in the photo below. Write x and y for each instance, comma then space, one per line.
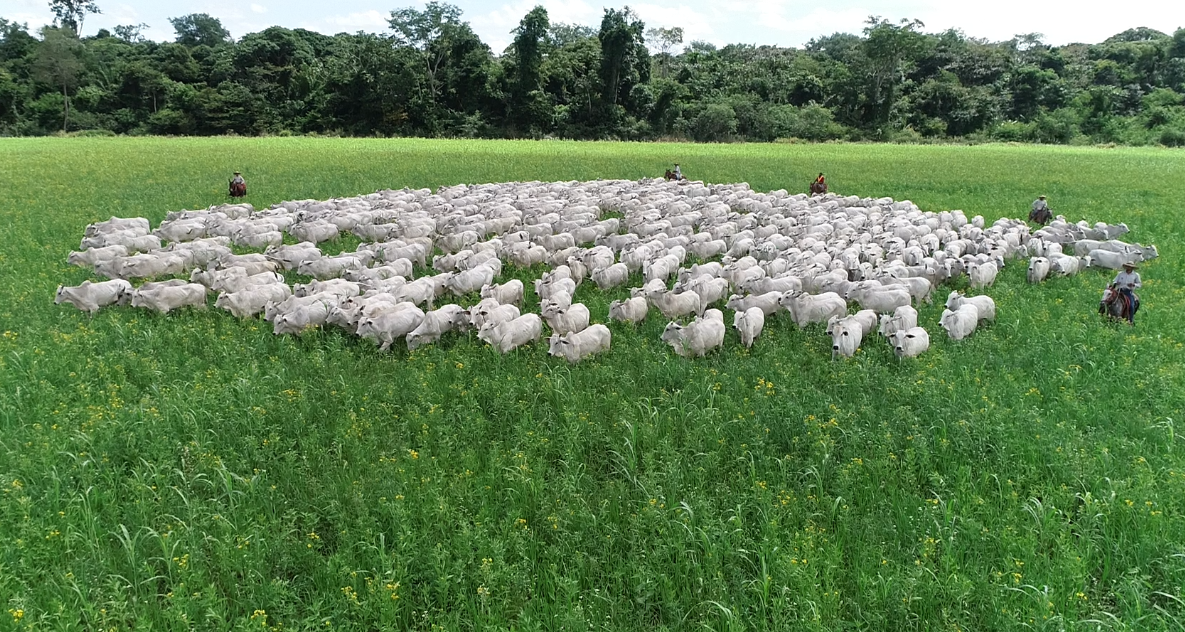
196, 471
432, 76
200, 29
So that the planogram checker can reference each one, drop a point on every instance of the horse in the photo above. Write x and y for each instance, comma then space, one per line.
818, 188
1118, 306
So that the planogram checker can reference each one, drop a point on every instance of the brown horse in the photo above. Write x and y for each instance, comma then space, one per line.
1118, 306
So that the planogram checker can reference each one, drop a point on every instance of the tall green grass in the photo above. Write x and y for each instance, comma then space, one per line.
195, 472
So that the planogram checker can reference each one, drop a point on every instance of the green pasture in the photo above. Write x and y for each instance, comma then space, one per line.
196, 472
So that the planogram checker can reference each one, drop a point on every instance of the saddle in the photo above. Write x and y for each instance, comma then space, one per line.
238, 190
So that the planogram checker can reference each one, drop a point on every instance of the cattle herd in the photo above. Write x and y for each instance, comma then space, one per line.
695, 246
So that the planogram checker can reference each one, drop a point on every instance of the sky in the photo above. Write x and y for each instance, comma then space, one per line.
776, 22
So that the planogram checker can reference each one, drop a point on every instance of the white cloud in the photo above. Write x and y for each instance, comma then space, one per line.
258, 8
695, 25
372, 21
495, 26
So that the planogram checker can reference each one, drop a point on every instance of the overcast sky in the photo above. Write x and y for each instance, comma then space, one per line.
780, 22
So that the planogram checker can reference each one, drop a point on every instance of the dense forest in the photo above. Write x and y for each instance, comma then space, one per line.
431, 75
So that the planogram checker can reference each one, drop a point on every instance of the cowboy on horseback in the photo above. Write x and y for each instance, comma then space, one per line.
819, 186
1040, 213
1119, 299
238, 186
1126, 282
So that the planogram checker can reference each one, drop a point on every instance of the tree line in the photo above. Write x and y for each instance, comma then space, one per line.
431, 75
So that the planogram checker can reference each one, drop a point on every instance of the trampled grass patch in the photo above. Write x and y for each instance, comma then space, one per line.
195, 471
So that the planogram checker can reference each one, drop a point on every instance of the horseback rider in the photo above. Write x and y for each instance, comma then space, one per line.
238, 186
1040, 213
819, 186
677, 172
1126, 282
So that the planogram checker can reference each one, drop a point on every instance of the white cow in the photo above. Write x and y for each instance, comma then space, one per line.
910, 343
982, 274
846, 336
252, 300
1038, 269
631, 310
904, 317
510, 335
767, 303
985, 304
88, 258
506, 293
697, 338
90, 297
960, 323
611, 277
167, 298
749, 324
806, 309
574, 347
674, 305
388, 326
568, 319
436, 323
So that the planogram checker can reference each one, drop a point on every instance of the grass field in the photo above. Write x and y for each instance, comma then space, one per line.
195, 472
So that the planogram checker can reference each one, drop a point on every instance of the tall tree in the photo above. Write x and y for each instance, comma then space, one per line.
667, 40
623, 47
57, 64
131, 33
889, 48
529, 38
427, 31
70, 13
199, 29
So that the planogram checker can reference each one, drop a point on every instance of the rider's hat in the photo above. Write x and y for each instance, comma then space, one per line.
237, 173
1131, 265
1040, 197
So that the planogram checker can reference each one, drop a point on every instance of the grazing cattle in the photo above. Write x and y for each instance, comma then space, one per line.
437, 323
252, 300
510, 335
806, 309
469, 281
337, 287
865, 319
698, 338
315, 232
631, 310
492, 313
960, 323
674, 305
880, 298
330, 267
611, 277
767, 303
168, 298
985, 304
510, 292
1064, 265
90, 297
576, 346
749, 324
134, 225
910, 343
88, 258
549, 290
982, 274
290, 257
568, 319
387, 327
1038, 269
904, 317
846, 336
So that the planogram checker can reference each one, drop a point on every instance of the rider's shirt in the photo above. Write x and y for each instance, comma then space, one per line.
1127, 280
